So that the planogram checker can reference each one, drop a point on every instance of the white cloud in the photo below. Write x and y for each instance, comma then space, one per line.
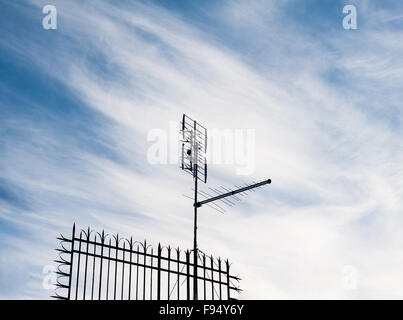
332, 162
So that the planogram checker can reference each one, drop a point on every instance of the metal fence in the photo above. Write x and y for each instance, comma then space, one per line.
96, 266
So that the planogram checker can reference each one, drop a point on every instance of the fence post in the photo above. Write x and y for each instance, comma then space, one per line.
228, 282
130, 270
204, 276
188, 274
159, 273
78, 264
212, 277
169, 272
101, 264
144, 273
123, 271
178, 259
71, 260
151, 274
219, 275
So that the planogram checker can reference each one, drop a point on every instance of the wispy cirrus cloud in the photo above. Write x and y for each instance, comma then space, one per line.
324, 104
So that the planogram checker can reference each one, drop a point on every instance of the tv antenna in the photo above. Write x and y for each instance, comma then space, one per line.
193, 160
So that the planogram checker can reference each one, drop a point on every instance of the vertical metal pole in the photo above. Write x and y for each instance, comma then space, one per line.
178, 264
151, 274
195, 162
219, 276
144, 268
137, 273
100, 268
123, 270
159, 273
78, 266
204, 276
195, 240
116, 266
228, 282
131, 265
93, 267
71, 259
109, 264
169, 272
187, 275
212, 277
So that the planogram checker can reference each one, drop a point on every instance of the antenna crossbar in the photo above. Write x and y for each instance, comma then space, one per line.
233, 192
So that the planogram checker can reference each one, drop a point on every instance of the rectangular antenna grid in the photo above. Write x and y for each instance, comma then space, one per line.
193, 148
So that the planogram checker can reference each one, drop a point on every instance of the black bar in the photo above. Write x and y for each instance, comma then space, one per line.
204, 276
212, 277
166, 270
78, 267
137, 274
86, 264
123, 272
71, 260
130, 270
159, 273
169, 272
228, 283
107, 278
144, 273
151, 276
135, 252
93, 268
178, 257
219, 276
100, 268
188, 275
195, 236
231, 193
116, 266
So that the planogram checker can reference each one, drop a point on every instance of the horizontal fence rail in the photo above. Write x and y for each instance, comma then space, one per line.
96, 266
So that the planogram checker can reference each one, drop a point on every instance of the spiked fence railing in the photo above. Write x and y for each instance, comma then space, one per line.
96, 266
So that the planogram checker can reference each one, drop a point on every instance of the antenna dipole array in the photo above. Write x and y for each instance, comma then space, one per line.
193, 138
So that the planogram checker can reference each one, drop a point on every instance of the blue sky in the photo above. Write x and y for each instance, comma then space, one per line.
77, 104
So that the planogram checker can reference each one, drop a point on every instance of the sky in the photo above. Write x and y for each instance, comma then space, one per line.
78, 103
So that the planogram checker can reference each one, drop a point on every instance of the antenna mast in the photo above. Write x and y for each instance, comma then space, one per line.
193, 160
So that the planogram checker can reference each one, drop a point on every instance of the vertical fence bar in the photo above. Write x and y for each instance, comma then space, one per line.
159, 273
71, 259
178, 259
151, 274
212, 277
86, 263
116, 266
93, 267
219, 275
204, 276
78, 267
169, 272
130, 271
137, 273
123, 271
188, 274
109, 263
100, 267
144, 273
228, 282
